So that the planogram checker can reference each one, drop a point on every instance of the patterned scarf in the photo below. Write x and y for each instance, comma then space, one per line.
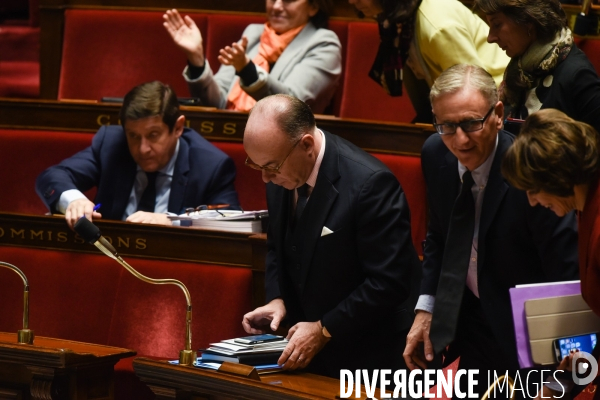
393, 53
270, 48
525, 72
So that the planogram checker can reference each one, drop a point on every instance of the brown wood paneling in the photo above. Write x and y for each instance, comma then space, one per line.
213, 124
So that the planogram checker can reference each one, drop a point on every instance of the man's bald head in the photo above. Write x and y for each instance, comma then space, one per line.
291, 115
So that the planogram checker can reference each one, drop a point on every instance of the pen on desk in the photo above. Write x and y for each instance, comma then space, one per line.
96, 207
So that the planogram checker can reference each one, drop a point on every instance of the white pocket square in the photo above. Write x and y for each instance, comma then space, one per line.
326, 231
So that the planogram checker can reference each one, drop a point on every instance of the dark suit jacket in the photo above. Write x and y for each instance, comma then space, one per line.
355, 279
574, 89
518, 244
203, 174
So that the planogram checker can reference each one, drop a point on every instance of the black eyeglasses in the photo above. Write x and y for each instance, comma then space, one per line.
203, 207
267, 169
472, 125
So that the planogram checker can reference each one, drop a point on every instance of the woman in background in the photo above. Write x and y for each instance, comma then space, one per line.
292, 53
555, 160
427, 36
546, 69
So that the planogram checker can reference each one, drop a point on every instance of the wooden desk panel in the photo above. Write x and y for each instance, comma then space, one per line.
220, 125
176, 382
57, 369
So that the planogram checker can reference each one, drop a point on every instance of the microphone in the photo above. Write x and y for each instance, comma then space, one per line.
24, 335
91, 234
585, 23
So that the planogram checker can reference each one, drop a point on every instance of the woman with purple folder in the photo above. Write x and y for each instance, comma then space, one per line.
555, 159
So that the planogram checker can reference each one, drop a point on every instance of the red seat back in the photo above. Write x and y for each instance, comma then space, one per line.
408, 171
71, 295
151, 318
26, 153
248, 182
591, 48
224, 29
362, 97
341, 30
107, 53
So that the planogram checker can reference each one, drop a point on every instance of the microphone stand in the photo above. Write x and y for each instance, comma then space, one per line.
24, 335
91, 233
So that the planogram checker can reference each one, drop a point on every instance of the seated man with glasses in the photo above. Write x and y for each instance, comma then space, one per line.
482, 238
341, 268
150, 165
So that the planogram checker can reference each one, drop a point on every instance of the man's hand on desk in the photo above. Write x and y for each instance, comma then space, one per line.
270, 315
419, 334
306, 340
78, 208
143, 217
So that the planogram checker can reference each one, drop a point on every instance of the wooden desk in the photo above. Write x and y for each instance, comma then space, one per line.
57, 369
145, 241
212, 124
169, 381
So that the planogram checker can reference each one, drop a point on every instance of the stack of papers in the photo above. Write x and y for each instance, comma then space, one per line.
224, 220
256, 354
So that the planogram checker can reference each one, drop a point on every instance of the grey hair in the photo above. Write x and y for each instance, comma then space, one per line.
293, 116
460, 76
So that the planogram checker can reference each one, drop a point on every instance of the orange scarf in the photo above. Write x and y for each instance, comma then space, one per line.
270, 48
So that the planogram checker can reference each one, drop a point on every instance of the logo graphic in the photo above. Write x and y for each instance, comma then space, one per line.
584, 368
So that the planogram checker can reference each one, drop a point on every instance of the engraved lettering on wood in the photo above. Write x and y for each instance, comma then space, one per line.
122, 242
62, 237
20, 233
140, 244
103, 119
229, 128
37, 235
207, 127
1, 232
78, 239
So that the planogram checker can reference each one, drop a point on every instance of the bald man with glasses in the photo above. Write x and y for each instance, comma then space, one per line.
482, 237
340, 264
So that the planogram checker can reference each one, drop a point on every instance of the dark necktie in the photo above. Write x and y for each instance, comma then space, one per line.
148, 199
455, 265
301, 203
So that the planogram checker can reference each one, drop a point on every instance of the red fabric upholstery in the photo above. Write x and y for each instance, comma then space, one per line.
362, 97
591, 48
341, 30
151, 319
26, 153
248, 182
224, 29
106, 53
20, 79
408, 171
19, 43
90, 298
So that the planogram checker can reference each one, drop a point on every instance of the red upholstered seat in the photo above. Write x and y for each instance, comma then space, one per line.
341, 30
224, 29
408, 171
26, 153
90, 298
591, 48
248, 182
362, 97
106, 53
20, 79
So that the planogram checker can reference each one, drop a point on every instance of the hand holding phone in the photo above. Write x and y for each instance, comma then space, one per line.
562, 346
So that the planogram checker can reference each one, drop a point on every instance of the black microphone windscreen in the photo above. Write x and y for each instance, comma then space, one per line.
88, 231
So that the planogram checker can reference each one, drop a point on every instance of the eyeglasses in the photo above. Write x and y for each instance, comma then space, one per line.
215, 207
267, 169
472, 125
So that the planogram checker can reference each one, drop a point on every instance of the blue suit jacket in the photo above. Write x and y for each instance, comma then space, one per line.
518, 244
203, 174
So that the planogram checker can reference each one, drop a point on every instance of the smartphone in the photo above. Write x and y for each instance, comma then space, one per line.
255, 339
562, 346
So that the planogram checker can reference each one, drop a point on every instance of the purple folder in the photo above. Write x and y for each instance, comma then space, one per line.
519, 295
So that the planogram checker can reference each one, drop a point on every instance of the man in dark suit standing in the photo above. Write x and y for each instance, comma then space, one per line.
340, 257
483, 237
148, 166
